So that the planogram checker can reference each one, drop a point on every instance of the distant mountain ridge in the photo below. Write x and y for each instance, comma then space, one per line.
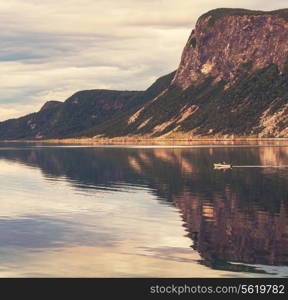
232, 81
80, 112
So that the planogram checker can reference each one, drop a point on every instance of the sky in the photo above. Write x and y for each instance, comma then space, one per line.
52, 48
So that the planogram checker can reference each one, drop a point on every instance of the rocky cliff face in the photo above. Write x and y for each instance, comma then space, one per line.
226, 41
232, 82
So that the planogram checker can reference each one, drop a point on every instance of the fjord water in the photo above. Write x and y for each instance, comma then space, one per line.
136, 211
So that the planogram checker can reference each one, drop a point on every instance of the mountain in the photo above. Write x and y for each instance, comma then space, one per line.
232, 81
78, 112
81, 111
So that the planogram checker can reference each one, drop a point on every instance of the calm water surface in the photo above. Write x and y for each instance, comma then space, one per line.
124, 211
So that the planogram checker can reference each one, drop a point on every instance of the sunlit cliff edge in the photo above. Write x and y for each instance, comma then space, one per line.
232, 82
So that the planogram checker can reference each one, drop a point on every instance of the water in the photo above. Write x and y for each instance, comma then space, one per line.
136, 211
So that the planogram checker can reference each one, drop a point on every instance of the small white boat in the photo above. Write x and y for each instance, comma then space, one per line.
222, 166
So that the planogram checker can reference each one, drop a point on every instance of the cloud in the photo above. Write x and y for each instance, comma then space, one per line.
51, 49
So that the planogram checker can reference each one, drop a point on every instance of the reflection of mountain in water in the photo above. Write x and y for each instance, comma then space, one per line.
239, 215
222, 232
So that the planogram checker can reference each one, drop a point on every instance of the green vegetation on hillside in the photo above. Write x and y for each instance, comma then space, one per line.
214, 110
80, 112
236, 110
218, 13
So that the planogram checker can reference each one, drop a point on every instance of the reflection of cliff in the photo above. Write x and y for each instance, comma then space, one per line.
222, 232
173, 171
235, 216
273, 156
238, 215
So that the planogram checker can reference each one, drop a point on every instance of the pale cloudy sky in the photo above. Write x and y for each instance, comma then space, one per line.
53, 48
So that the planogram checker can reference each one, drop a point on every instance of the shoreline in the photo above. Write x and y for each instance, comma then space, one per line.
152, 141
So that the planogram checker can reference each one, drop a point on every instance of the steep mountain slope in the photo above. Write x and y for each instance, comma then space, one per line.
228, 40
255, 106
232, 81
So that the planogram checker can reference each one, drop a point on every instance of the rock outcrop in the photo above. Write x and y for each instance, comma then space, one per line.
232, 82
226, 41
